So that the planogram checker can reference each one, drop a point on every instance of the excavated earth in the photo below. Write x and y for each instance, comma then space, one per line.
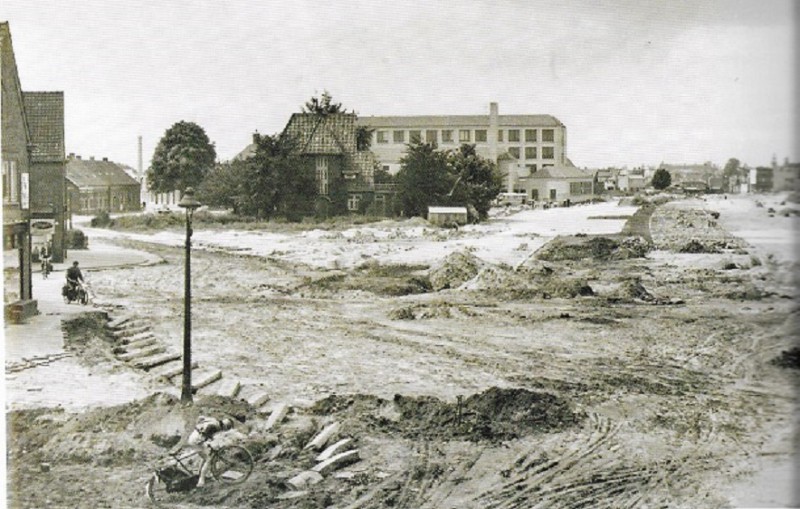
645, 369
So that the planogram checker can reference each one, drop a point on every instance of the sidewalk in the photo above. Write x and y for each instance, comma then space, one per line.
64, 381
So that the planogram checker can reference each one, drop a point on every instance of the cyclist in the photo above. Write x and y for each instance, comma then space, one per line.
204, 430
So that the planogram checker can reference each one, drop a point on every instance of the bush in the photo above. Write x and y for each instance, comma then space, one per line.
76, 239
102, 220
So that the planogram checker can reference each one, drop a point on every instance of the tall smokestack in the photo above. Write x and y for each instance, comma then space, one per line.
141, 170
494, 122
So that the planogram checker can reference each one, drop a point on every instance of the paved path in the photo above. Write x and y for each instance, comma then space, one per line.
66, 381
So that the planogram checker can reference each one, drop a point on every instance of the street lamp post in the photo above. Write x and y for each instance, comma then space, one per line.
190, 204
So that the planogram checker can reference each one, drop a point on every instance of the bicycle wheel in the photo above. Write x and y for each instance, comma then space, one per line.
158, 492
231, 464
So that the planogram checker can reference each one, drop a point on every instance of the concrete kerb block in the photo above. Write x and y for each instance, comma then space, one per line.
338, 461
319, 441
138, 345
278, 414
205, 379
258, 398
145, 352
331, 450
125, 333
303, 479
229, 388
132, 339
117, 322
173, 369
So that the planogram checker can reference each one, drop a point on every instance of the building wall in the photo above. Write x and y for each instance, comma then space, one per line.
15, 163
110, 199
48, 194
390, 152
540, 189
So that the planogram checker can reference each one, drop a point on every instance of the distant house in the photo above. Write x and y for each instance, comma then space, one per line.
631, 181
344, 171
761, 179
560, 183
45, 113
447, 215
690, 172
97, 186
786, 177
606, 179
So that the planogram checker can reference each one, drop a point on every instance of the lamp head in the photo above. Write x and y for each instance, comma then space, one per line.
188, 200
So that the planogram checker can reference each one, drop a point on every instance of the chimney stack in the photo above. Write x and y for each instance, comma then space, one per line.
256, 137
141, 171
493, 128
78, 158
105, 159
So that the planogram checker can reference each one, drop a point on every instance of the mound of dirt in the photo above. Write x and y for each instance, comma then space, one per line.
632, 289
597, 248
696, 246
454, 270
788, 359
495, 414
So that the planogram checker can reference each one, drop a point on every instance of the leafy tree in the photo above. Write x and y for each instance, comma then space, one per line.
661, 179
182, 158
423, 179
323, 105
477, 183
363, 137
732, 167
382, 176
459, 177
272, 181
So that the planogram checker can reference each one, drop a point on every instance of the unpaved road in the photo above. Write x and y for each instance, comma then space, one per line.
671, 388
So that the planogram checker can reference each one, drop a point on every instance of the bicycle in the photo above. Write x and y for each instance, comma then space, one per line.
229, 464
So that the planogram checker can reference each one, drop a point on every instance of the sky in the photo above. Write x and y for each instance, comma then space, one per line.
636, 82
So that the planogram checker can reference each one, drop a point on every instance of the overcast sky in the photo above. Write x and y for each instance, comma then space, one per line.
635, 82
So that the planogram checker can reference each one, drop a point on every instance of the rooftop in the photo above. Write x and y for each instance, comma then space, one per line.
97, 173
460, 121
45, 114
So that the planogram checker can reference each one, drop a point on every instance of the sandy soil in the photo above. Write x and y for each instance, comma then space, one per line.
661, 371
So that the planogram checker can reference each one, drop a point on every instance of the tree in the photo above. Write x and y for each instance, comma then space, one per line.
272, 181
477, 183
458, 177
732, 168
182, 158
662, 179
323, 105
423, 179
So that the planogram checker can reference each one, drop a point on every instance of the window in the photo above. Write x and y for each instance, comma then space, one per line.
530, 152
534, 194
463, 136
10, 194
382, 137
531, 168
353, 201
547, 153
322, 175
480, 135
386, 167
547, 135
513, 135
399, 136
580, 188
499, 135
430, 137
447, 136
414, 136
514, 151
530, 134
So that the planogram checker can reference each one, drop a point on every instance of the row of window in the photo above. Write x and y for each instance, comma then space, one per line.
465, 135
580, 188
530, 152
10, 192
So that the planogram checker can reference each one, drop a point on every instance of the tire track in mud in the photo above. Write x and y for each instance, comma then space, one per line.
533, 476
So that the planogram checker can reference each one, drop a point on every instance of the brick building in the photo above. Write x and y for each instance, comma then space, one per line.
97, 186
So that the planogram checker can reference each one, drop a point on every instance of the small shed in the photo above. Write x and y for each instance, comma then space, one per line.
447, 215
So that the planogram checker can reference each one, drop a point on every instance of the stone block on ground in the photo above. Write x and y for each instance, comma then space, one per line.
229, 388
202, 379
278, 413
145, 352
322, 438
337, 462
116, 322
333, 449
124, 333
138, 337
303, 479
257, 398
138, 345
170, 368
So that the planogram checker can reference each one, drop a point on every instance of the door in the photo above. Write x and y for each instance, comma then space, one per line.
552, 194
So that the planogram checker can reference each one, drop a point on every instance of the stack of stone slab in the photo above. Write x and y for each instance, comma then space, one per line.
332, 458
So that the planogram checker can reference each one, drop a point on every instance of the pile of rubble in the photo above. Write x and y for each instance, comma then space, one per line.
601, 248
691, 231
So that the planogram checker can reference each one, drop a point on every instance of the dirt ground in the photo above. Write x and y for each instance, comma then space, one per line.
597, 371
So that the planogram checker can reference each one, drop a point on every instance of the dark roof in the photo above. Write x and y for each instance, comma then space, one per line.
97, 173
45, 113
423, 121
323, 134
